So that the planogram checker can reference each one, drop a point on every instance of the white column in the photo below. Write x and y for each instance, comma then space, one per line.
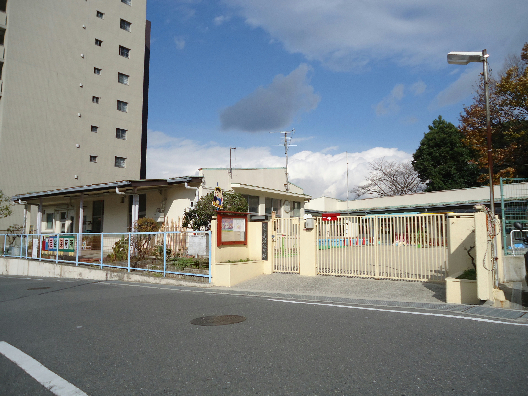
39, 217
81, 213
135, 210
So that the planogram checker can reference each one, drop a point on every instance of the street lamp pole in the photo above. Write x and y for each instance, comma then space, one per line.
463, 58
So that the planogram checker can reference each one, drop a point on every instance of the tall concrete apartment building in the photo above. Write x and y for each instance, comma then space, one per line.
73, 93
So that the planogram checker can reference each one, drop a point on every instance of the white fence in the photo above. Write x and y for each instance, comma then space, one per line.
285, 244
407, 247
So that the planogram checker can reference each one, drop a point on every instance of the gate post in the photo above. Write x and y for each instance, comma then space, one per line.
307, 250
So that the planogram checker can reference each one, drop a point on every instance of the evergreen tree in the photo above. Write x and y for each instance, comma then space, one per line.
442, 161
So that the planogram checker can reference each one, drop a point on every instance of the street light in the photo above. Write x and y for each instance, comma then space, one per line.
463, 58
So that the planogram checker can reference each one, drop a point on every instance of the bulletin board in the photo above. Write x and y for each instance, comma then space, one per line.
231, 228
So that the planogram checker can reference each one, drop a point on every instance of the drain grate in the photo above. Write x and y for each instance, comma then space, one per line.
218, 320
39, 288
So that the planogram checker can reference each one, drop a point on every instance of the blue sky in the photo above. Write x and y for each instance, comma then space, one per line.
361, 77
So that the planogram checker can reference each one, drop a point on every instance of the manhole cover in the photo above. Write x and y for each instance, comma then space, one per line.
218, 320
38, 288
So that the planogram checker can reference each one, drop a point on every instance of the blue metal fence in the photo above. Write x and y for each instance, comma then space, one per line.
158, 253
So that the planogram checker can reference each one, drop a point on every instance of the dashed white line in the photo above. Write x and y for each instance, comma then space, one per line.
401, 312
47, 378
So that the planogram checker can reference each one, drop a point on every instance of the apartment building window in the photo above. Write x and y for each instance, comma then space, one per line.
95, 128
95, 99
98, 42
93, 158
99, 14
124, 51
97, 71
122, 78
122, 106
120, 162
121, 133
127, 2
49, 221
125, 25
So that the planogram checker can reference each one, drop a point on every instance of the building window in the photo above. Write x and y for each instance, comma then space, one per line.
98, 42
273, 205
95, 128
97, 71
124, 52
125, 25
127, 2
122, 78
95, 99
99, 14
93, 158
253, 203
120, 162
122, 106
121, 133
49, 221
296, 209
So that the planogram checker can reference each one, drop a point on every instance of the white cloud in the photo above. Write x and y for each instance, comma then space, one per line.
219, 20
348, 35
418, 88
389, 104
274, 106
318, 173
180, 42
462, 88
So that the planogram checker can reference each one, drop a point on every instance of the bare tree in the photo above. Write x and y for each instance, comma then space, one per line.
389, 178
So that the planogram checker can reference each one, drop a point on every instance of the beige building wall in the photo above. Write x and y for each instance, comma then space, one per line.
48, 88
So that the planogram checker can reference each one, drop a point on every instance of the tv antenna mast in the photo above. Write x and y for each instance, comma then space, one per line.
287, 143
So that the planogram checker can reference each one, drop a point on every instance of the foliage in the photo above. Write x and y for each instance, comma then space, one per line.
509, 121
199, 217
13, 232
389, 178
5, 205
142, 243
442, 161
119, 250
470, 274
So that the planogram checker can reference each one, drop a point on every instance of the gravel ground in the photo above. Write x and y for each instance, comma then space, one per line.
334, 286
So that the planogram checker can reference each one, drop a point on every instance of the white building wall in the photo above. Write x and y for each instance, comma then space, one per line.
48, 79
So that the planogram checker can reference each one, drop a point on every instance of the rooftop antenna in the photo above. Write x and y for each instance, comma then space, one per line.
287, 143
230, 168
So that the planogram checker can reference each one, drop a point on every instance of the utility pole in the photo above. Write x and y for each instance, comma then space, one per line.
230, 168
287, 143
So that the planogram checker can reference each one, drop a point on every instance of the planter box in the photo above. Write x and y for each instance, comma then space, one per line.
461, 291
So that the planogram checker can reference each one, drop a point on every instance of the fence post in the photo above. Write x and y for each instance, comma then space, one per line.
164, 254
102, 244
210, 256
79, 244
57, 247
128, 255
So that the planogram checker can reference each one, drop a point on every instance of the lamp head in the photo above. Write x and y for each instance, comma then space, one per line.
463, 58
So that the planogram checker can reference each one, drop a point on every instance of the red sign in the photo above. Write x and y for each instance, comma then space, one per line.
330, 216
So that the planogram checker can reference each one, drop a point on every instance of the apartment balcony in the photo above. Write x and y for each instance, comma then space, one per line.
3, 20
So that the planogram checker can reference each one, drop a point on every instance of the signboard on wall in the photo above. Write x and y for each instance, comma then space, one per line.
197, 245
231, 228
65, 244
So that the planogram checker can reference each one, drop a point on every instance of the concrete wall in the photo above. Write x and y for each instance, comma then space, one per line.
48, 80
460, 242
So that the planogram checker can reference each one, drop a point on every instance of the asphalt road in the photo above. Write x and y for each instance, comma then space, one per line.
132, 339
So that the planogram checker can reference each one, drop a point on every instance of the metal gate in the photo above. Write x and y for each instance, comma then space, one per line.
407, 247
285, 244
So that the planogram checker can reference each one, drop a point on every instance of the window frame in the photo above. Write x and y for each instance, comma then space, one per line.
94, 128
97, 71
125, 77
124, 50
118, 161
121, 133
125, 25
120, 106
93, 159
95, 99
99, 14
98, 42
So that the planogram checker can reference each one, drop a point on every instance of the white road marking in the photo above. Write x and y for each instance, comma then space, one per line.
402, 312
51, 381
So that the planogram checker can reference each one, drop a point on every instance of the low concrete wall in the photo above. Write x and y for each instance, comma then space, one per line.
513, 269
23, 267
461, 291
230, 274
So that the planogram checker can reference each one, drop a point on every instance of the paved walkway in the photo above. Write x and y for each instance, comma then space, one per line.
430, 296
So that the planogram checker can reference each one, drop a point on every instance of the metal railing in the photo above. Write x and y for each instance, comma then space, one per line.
408, 247
172, 253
